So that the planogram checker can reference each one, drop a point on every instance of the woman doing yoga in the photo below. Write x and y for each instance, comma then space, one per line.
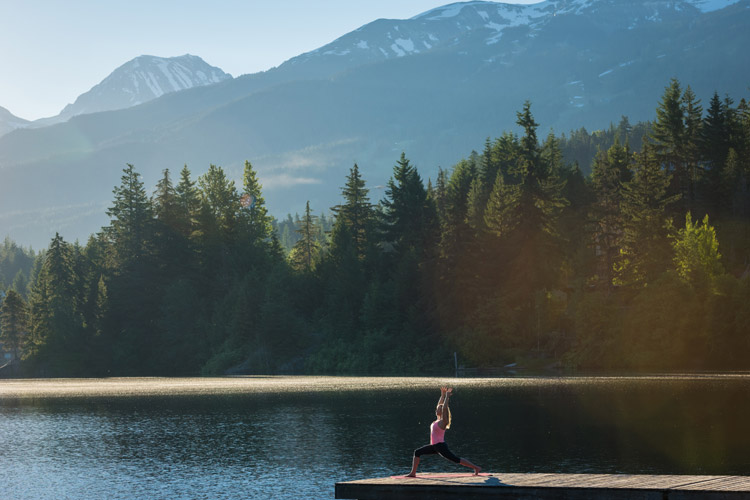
437, 436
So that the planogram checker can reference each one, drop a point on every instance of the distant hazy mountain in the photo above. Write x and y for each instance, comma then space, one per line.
434, 86
8, 121
141, 80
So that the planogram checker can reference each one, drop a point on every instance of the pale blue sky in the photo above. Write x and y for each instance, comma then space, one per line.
51, 51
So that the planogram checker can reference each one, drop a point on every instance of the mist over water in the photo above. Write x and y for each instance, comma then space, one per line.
294, 437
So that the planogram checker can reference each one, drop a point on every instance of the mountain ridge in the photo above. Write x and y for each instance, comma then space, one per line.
137, 81
305, 122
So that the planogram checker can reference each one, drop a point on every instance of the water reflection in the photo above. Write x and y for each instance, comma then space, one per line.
294, 437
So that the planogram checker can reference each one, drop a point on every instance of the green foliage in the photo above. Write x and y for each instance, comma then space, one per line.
306, 252
254, 208
13, 323
645, 247
696, 249
356, 213
611, 170
513, 254
15, 260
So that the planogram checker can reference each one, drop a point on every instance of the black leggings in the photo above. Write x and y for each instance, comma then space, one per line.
439, 448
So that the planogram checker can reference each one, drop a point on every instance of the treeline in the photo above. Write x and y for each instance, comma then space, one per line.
513, 255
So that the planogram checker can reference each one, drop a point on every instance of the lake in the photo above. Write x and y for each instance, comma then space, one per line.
294, 437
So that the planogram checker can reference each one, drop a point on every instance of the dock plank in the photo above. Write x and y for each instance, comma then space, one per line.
547, 486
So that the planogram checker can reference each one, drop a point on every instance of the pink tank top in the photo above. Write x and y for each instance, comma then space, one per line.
437, 435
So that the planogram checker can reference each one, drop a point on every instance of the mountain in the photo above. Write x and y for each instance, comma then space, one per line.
8, 121
141, 80
434, 86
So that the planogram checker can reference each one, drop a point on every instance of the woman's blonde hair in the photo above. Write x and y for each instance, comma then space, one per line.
439, 409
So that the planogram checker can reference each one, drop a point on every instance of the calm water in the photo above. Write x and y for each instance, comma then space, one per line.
291, 438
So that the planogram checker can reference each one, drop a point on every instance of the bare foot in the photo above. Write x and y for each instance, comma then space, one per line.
476, 470
413, 474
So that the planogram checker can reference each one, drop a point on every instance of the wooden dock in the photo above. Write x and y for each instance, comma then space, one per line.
546, 486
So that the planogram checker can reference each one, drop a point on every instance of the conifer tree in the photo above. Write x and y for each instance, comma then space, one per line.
13, 323
668, 136
532, 199
356, 212
523, 212
475, 205
220, 204
130, 218
164, 200
715, 142
693, 113
645, 248
55, 325
254, 205
306, 251
405, 208
439, 195
610, 171
169, 241
188, 201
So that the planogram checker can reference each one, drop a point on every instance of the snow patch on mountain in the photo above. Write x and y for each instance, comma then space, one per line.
712, 5
143, 79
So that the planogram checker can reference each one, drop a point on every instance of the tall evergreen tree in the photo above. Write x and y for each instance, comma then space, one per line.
715, 141
406, 210
13, 323
306, 251
693, 113
170, 242
56, 332
523, 213
188, 201
131, 219
668, 136
220, 204
254, 205
356, 212
611, 170
645, 248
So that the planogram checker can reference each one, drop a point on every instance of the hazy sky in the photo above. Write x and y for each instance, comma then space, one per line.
51, 51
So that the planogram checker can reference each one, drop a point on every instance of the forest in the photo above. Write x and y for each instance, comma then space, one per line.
623, 250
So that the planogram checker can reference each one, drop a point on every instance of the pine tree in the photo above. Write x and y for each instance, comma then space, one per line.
439, 196
668, 136
532, 198
356, 212
171, 248
715, 143
306, 251
645, 248
56, 330
475, 205
523, 213
131, 219
254, 205
693, 113
220, 204
610, 171
188, 201
164, 201
405, 208
13, 323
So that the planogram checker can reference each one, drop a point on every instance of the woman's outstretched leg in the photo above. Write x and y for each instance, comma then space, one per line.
466, 463
414, 465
